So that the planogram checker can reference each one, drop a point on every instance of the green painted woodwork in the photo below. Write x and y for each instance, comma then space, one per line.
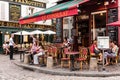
59, 7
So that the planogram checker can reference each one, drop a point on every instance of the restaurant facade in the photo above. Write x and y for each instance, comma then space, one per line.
91, 21
11, 11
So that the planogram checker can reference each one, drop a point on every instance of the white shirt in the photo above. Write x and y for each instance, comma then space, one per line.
5, 46
34, 40
11, 42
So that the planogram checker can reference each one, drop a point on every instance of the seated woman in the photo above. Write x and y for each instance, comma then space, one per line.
94, 50
6, 48
40, 52
113, 53
34, 50
65, 43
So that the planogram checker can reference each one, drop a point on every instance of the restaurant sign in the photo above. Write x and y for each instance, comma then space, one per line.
69, 12
29, 2
15, 24
14, 12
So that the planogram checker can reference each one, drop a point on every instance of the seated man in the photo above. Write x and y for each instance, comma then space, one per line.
112, 53
6, 48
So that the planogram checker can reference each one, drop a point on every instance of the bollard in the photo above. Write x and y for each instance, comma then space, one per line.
49, 62
26, 58
93, 64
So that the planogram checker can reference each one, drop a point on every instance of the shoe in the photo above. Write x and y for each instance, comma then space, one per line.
30, 63
106, 64
99, 60
12, 59
36, 64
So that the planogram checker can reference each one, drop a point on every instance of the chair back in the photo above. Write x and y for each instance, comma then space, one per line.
64, 53
84, 52
117, 51
66, 50
54, 51
49, 51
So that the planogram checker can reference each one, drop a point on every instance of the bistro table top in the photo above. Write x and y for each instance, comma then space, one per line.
22, 49
72, 52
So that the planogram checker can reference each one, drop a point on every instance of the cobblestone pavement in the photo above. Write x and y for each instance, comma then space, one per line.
9, 71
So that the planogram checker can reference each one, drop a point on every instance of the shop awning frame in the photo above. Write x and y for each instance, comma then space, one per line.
117, 23
61, 10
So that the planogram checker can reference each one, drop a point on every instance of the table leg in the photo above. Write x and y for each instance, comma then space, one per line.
20, 56
23, 56
43, 64
72, 62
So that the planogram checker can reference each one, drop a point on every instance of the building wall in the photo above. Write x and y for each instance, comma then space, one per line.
4, 11
119, 20
5, 16
25, 10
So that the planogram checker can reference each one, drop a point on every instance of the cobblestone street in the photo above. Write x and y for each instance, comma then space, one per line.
9, 71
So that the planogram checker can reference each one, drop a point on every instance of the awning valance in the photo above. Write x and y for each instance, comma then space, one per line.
61, 10
117, 23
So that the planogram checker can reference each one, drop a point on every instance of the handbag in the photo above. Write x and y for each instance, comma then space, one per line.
96, 51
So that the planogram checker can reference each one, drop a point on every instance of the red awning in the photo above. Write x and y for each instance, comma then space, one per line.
61, 10
117, 23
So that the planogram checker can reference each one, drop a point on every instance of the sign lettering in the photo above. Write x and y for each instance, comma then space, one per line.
15, 24
50, 16
29, 2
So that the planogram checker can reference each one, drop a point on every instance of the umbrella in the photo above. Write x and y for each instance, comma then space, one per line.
117, 23
37, 32
22, 33
49, 32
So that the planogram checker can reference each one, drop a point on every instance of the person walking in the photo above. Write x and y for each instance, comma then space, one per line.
11, 44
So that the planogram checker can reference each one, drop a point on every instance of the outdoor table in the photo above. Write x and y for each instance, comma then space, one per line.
22, 53
72, 56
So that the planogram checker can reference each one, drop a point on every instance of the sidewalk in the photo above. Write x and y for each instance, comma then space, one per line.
111, 70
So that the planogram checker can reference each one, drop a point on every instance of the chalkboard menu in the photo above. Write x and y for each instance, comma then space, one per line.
14, 12
112, 30
59, 30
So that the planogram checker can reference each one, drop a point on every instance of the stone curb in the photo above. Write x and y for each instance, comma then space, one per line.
66, 73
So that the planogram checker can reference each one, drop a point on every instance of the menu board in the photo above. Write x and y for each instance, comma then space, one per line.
14, 12
59, 30
103, 42
112, 17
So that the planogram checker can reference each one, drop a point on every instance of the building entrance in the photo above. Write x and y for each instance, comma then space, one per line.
98, 24
83, 29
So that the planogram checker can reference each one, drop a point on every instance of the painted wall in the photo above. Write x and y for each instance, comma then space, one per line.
4, 11
27, 10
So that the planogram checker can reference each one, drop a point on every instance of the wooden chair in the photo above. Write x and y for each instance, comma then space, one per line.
65, 58
54, 54
116, 57
92, 54
49, 51
52, 51
82, 57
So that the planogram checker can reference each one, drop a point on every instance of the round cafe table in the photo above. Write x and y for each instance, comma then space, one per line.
72, 56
